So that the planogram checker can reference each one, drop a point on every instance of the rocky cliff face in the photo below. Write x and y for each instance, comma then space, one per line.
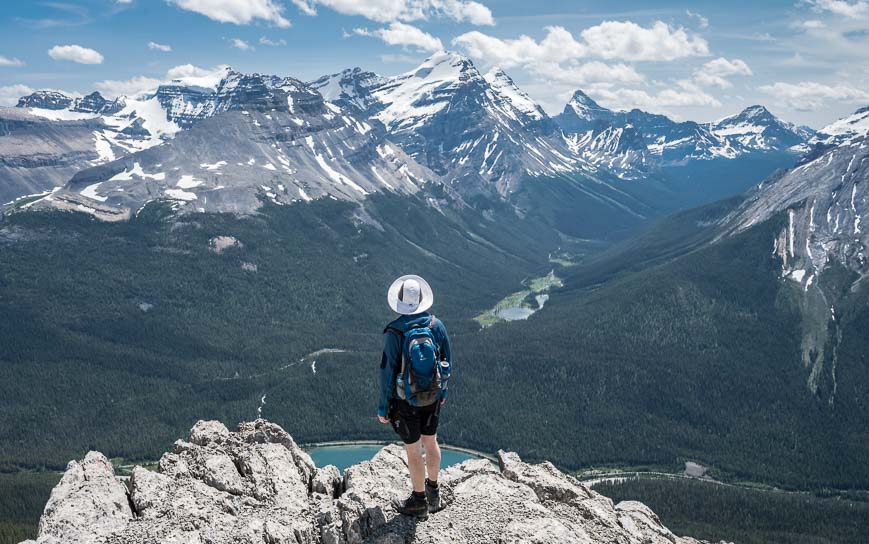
257, 485
481, 133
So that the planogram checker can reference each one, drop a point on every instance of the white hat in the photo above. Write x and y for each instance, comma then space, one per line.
409, 295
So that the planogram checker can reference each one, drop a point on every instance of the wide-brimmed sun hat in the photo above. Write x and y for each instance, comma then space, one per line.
409, 295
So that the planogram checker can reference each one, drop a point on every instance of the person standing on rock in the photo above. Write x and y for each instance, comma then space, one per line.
414, 371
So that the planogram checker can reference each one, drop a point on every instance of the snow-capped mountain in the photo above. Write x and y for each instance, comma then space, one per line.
852, 128
253, 138
56, 101
595, 134
350, 89
822, 205
756, 129
827, 201
636, 140
479, 132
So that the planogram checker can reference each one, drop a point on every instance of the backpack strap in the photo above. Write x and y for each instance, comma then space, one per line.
400, 335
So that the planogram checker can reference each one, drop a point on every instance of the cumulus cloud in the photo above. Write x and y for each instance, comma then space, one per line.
154, 46
75, 53
629, 41
239, 12
405, 35
185, 71
682, 93
589, 73
811, 96
847, 9
112, 88
384, 11
187, 74
10, 62
611, 40
715, 72
238, 43
272, 43
10, 94
557, 46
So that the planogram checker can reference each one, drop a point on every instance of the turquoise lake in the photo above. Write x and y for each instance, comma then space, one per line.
345, 456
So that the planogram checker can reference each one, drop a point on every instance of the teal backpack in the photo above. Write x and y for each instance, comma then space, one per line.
421, 374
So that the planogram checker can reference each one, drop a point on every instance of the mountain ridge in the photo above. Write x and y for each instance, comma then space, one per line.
256, 484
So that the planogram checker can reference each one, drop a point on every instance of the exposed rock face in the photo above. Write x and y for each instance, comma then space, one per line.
639, 139
480, 132
256, 485
49, 100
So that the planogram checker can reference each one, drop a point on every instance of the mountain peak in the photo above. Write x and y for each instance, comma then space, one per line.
446, 65
257, 484
584, 107
756, 111
844, 130
45, 99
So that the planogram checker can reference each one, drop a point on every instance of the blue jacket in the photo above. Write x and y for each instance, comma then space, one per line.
391, 360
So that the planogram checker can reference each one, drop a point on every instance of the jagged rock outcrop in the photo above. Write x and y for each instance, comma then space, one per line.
257, 485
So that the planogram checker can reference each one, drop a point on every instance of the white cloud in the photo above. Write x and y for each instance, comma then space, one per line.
123, 1
10, 94
272, 43
241, 44
154, 46
75, 53
594, 72
850, 10
811, 96
239, 12
10, 62
715, 72
683, 93
190, 71
558, 46
608, 40
629, 41
112, 88
402, 34
384, 11
186, 74
702, 21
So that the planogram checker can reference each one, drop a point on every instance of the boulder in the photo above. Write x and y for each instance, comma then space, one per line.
256, 485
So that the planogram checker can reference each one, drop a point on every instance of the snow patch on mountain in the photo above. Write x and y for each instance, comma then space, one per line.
845, 130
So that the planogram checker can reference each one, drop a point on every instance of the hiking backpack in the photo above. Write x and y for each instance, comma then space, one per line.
421, 374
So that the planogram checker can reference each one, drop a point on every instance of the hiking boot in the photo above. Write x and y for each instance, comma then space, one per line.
414, 506
433, 496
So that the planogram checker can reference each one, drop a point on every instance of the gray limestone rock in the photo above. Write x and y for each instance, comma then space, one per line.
256, 485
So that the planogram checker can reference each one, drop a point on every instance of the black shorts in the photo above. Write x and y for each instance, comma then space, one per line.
412, 421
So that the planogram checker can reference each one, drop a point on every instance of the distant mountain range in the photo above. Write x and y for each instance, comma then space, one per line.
635, 141
344, 135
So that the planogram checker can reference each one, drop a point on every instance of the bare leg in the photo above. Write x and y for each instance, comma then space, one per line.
415, 466
432, 456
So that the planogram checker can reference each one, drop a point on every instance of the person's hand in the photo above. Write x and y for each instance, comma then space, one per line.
443, 401
382, 419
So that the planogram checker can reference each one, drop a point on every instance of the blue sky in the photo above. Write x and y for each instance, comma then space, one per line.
807, 60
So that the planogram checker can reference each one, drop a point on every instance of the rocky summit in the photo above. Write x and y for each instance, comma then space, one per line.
257, 485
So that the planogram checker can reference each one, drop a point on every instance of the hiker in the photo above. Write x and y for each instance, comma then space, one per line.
414, 371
